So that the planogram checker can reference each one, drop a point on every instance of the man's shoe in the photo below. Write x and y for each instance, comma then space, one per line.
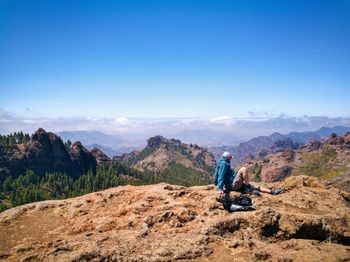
277, 191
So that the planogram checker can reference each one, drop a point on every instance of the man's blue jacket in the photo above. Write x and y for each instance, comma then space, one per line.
224, 175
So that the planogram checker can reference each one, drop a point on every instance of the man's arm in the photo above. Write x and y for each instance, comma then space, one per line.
244, 173
221, 176
216, 175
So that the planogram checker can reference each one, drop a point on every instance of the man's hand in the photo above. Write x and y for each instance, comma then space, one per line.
219, 196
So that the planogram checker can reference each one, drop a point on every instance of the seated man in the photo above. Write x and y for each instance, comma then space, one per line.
226, 178
241, 183
224, 175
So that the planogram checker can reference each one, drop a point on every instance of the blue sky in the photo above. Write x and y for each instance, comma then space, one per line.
174, 58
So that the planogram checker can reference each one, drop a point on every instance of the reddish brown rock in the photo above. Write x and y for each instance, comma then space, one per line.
310, 222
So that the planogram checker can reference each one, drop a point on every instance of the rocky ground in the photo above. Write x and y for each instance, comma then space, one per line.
310, 222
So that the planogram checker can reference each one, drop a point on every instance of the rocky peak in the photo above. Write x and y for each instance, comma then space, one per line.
335, 140
284, 144
99, 155
45, 152
77, 149
83, 160
40, 135
277, 136
161, 154
45, 139
157, 141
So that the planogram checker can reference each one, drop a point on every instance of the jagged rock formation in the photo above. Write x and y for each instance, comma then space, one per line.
100, 156
160, 153
310, 222
45, 152
328, 159
83, 160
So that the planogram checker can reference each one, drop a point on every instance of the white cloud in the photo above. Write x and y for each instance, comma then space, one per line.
132, 128
123, 121
223, 120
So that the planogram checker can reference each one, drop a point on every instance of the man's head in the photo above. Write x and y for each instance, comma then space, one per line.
227, 156
247, 163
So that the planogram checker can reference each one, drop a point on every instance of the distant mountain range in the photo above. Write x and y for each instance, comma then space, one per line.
111, 145
91, 137
259, 147
109, 151
207, 137
116, 145
327, 159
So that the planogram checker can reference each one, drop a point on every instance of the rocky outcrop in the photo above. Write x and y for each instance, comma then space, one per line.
285, 144
45, 152
310, 222
312, 146
157, 141
161, 152
82, 159
278, 167
100, 156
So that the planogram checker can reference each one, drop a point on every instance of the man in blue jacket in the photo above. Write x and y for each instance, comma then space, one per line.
224, 175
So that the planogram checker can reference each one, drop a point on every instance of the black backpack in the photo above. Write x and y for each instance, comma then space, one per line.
242, 200
245, 202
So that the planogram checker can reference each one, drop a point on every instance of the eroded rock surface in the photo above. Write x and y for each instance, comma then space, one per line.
310, 222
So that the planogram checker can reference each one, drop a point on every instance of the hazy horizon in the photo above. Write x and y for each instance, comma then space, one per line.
211, 131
